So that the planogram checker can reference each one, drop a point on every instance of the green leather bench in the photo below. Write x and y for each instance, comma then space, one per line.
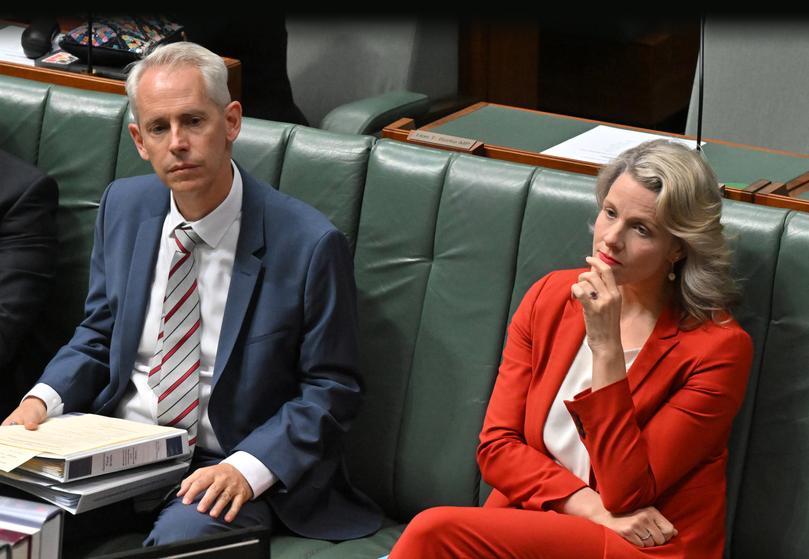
445, 245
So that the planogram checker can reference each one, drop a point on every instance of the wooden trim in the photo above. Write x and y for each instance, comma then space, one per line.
780, 201
106, 85
797, 182
399, 129
738, 194
59, 77
802, 189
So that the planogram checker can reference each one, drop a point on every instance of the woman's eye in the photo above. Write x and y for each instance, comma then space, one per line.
642, 230
609, 212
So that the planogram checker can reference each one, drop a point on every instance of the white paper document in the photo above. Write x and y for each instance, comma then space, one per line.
12, 457
602, 144
69, 434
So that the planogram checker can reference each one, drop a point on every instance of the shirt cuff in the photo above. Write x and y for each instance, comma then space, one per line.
258, 476
53, 402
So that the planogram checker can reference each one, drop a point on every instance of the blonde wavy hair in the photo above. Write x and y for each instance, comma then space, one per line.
689, 206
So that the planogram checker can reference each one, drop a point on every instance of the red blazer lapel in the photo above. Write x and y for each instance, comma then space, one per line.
662, 339
570, 335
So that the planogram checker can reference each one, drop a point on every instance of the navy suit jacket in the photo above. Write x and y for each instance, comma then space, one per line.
285, 385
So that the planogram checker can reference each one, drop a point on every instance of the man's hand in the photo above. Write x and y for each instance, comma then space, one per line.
222, 484
31, 412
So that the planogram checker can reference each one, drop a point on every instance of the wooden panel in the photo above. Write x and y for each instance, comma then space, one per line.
499, 61
106, 85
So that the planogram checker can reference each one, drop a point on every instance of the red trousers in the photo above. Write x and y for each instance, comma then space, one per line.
506, 532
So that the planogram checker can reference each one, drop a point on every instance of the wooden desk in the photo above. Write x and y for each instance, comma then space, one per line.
107, 85
520, 135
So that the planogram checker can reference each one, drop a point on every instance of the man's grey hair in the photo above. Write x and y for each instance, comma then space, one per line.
176, 55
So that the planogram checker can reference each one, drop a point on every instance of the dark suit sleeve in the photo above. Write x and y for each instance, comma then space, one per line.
27, 255
690, 426
310, 426
80, 369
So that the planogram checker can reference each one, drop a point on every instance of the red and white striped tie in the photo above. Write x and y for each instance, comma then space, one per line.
175, 377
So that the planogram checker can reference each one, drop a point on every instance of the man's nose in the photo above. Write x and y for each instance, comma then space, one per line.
179, 140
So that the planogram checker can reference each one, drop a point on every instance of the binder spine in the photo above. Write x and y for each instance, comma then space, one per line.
124, 458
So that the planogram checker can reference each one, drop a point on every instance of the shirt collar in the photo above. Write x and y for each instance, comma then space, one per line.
213, 226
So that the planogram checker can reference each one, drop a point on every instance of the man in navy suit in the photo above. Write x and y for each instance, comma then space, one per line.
265, 342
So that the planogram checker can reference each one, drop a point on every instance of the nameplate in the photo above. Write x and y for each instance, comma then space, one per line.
455, 143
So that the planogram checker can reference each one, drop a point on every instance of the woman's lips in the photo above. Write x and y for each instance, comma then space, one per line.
608, 260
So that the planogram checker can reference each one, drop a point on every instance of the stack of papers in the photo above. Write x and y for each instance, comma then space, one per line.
602, 144
82, 461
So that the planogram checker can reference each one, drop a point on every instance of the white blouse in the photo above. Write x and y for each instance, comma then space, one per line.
560, 435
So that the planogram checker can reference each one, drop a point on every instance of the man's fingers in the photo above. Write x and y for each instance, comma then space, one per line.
186, 483
208, 500
193, 490
31, 424
235, 507
225, 497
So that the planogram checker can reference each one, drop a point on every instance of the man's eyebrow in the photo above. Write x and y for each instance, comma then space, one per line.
150, 121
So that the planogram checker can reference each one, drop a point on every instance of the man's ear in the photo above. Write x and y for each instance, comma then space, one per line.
134, 131
233, 120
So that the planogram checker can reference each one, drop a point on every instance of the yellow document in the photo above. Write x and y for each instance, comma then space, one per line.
11, 457
69, 434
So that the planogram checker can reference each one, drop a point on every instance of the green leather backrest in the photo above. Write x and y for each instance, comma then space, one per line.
327, 170
22, 107
77, 132
773, 512
754, 233
129, 163
434, 265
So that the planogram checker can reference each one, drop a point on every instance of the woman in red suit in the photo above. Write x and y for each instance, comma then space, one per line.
606, 434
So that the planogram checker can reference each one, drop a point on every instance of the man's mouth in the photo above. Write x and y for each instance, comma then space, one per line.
182, 167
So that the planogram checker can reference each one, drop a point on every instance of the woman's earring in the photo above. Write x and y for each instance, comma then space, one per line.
671, 275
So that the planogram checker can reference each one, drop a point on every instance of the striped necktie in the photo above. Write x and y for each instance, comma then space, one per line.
175, 377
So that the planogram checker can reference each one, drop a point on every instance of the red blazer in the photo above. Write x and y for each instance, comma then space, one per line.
659, 437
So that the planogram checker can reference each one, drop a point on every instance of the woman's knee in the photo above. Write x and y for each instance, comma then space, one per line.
433, 530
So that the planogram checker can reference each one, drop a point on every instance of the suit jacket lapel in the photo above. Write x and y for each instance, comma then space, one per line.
144, 255
571, 334
246, 268
662, 339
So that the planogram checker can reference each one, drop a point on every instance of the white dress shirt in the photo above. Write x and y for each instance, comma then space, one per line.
560, 434
220, 232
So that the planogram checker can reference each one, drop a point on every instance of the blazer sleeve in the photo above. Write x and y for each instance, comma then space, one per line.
81, 368
27, 251
634, 465
524, 474
310, 426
